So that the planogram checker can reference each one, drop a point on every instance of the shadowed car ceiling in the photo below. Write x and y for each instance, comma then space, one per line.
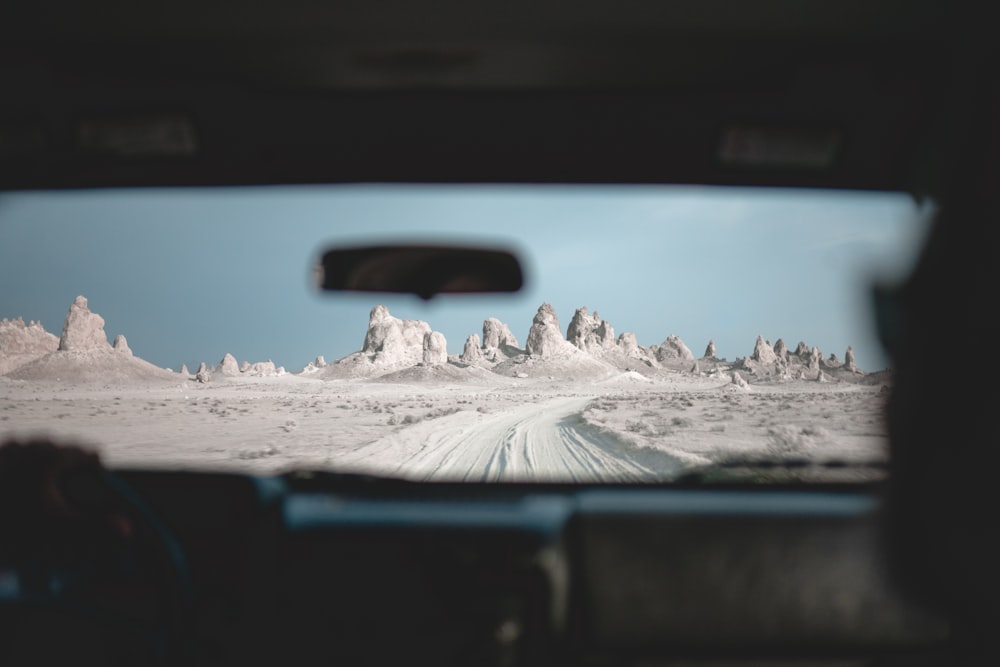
108, 93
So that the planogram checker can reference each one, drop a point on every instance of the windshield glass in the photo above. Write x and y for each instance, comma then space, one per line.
662, 332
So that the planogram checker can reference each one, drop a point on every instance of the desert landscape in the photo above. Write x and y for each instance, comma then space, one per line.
584, 405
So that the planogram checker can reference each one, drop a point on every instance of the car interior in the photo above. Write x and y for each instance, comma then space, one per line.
321, 567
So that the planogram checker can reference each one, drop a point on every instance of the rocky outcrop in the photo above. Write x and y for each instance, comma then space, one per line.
435, 348
17, 338
82, 330
391, 344
763, 352
121, 346
21, 343
84, 356
589, 348
589, 332
673, 349
202, 374
384, 331
228, 365
392, 341
628, 345
804, 363
496, 334
849, 362
317, 364
473, 351
498, 344
262, 369
545, 337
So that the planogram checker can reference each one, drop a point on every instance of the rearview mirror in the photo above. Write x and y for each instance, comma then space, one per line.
424, 270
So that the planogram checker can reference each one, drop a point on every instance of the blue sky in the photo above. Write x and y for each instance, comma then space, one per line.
189, 275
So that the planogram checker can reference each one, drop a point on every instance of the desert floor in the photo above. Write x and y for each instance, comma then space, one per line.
628, 428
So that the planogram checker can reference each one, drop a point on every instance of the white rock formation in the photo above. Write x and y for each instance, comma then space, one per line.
22, 343
435, 348
628, 345
497, 334
710, 350
815, 356
83, 330
763, 352
121, 345
18, 338
229, 365
545, 337
315, 365
781, 350
262, 369
589, 332
202, 375
673, 349
849, 361
391, 340
473, 351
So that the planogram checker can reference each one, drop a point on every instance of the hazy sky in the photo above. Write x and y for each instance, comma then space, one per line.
189, 275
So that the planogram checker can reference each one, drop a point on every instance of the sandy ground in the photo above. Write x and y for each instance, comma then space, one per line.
623, 429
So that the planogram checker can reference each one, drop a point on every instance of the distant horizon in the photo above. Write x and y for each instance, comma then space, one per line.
189, 275
697, 351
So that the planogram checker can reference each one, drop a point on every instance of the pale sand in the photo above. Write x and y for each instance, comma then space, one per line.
620, 429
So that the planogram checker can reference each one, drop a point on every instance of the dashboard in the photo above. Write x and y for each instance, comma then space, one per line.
314, 569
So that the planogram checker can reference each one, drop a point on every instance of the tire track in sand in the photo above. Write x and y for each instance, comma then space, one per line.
545, 441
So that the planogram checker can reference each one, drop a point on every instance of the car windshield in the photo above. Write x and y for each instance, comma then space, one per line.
663, 333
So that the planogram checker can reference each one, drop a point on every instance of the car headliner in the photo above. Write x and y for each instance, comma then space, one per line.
526, 91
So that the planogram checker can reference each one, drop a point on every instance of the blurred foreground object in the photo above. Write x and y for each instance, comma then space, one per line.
424, 270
